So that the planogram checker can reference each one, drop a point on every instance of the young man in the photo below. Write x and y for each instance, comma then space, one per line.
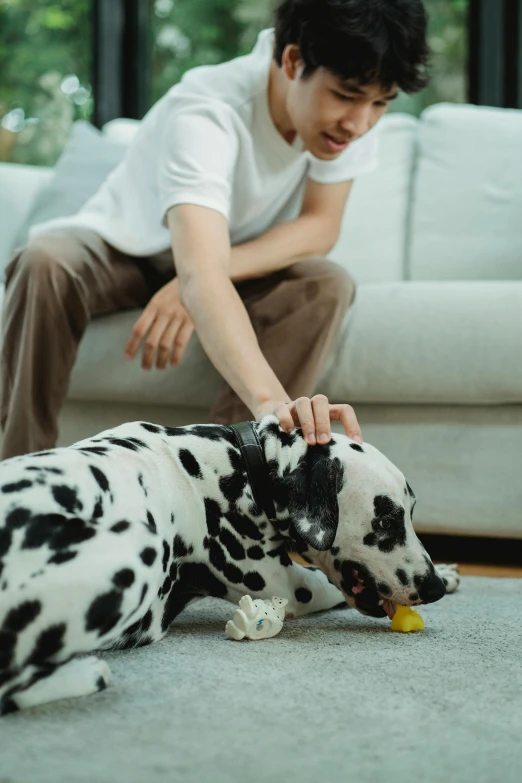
233, 190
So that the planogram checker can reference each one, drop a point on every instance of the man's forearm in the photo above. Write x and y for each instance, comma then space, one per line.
228, 338
304, 237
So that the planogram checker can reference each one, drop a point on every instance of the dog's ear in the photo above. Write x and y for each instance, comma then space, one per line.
312, 497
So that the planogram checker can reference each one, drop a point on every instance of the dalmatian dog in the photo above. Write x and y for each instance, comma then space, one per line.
104, 543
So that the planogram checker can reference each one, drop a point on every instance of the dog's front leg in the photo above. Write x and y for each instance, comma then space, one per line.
310, 591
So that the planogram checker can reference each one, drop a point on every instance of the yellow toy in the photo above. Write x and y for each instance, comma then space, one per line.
406, 619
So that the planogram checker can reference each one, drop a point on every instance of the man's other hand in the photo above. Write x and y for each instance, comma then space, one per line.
313, 416
164, 328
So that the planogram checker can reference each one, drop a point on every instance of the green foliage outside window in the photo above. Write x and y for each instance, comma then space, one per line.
46, 49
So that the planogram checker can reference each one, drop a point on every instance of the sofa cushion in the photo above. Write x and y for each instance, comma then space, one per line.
19, 185
431, 343
372, 243
88, 157
467, 208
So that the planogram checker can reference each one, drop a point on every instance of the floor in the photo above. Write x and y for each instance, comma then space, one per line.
486, 569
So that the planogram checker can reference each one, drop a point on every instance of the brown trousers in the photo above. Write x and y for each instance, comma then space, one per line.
60, 280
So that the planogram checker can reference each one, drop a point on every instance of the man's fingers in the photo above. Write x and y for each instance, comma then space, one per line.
166, 342
139, 330
306, 419
346, 415
321, 409
152, 341
284, 415
181, 342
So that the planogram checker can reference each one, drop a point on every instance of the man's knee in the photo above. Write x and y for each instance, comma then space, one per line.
329, 279
46, 260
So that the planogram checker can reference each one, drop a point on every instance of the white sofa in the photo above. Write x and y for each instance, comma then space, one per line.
429, 355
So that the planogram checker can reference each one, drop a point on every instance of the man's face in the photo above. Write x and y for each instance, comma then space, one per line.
329, 113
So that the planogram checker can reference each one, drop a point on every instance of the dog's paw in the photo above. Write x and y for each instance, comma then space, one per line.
449, 575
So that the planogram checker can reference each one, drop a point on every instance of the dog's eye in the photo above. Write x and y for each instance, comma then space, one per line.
386, 524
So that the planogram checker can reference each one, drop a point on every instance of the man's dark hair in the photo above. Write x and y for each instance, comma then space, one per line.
369, 41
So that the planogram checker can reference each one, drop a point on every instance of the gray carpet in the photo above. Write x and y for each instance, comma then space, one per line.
334, 697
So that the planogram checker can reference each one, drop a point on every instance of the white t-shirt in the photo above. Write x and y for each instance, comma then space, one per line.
211, 141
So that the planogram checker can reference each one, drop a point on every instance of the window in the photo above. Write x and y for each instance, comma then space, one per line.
45, 65
448, 40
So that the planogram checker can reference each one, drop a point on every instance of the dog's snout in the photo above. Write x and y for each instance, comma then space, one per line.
432, 589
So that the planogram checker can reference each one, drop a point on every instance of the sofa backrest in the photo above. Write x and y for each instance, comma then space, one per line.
467, 195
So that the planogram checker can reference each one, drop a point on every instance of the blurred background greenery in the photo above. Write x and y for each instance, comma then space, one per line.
46, 60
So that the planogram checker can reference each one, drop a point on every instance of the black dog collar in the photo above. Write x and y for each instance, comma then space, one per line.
256, 466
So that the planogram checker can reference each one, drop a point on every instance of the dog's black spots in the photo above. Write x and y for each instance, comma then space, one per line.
100, 683
62, 557
24, 614
7, 646
98, 509
67, 497
100, 477
139, 443
409, 490
356, 447
335, 550
383, 506
233, 484
244, 526
44, 469
104, 612
42, 453
254, 581
230, 542
275, 430
172, 432
166, 556
57, 531
370, 539
173, 573
216, 554
255, 553
48, 643
5, 541
150, 427
383, 588
215, 432
101, 451
281, 552
303, 595
212, 515
142, 484
146, 621
255, 510
125, 443
171, 518
402, 576
151, 522
179, 547
194, 579
167, 584
415, 596
123, 578
18, 517
232, 573
17, 486
119, 527
7, 706
190, 463
148, 555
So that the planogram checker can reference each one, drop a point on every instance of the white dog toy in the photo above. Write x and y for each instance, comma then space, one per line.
258, 619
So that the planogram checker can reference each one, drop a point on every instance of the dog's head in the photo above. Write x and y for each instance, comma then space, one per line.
348, 510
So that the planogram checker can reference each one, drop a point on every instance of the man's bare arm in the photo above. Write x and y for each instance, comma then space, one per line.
313, 233
201, 248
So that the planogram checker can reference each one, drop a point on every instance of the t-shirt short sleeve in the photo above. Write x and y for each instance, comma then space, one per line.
360, 157
196, 160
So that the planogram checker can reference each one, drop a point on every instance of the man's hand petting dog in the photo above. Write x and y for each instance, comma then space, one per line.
164, 328
313, 416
